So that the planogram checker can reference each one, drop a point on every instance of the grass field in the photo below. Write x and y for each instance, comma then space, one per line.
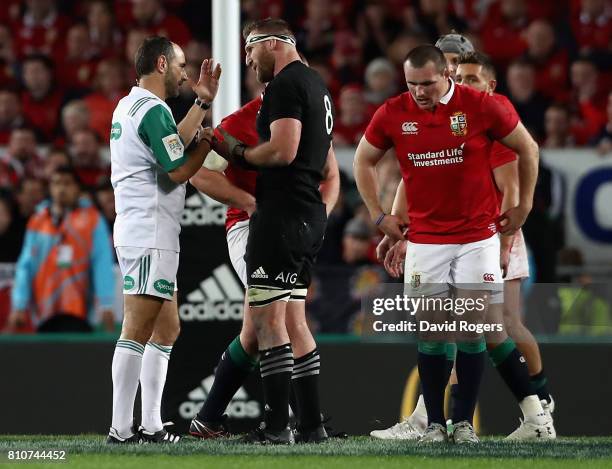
90, 451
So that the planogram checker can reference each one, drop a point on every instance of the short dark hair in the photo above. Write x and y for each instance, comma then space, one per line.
69, 170
41, 58
421, 55
148, 53
478, 58
268, 26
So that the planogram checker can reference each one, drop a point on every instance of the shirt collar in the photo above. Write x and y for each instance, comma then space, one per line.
449, 94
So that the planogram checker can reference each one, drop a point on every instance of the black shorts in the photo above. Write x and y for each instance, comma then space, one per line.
282, 247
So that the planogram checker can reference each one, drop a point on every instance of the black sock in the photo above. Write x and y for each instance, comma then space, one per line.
305, 382
454, 398
432, 371
539, 386
276, 366
470, 366
513, 369
233, 368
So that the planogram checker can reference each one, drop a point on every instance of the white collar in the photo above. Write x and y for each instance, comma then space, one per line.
449, 94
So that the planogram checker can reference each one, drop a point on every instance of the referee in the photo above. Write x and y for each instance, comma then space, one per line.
286, 231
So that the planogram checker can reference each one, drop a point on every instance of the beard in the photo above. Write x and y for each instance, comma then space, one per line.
170, 85
265, 69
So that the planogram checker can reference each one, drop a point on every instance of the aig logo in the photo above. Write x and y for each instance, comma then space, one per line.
409, 128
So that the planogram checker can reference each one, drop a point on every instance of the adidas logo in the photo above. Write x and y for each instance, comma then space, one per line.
259, 273
219, 297
201, 210
239, 407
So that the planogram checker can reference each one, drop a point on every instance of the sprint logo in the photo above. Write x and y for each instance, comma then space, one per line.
201, 210
239, 407
259, 273
219, 297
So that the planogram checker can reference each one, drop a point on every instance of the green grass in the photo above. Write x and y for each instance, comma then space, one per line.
90, 451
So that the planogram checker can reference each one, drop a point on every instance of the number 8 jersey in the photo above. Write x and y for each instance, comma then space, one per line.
296, 92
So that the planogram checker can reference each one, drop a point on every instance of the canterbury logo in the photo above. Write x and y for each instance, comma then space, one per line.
409, 128
488, 277
259, 273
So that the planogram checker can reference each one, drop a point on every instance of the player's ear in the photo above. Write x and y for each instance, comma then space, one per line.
162, 63
492, 84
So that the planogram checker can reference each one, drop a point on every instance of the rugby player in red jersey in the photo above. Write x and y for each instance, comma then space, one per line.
235, 187
475, 70
443, 135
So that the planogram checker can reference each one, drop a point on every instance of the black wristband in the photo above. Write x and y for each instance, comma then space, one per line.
202, 104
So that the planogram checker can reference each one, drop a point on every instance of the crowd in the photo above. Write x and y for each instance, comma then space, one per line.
64, 64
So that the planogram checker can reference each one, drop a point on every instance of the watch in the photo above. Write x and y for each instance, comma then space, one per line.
202, 104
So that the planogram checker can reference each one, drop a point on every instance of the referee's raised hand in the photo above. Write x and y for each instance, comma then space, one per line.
208, 82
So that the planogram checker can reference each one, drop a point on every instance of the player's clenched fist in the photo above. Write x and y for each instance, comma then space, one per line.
230, 148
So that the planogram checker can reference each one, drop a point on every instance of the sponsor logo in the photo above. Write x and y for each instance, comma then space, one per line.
218, 298
115, 131
128, 283
458, 124
201, 210
409, 128
174, 147
241, 406
415, 280
259, 273
286, 277
488, 277
164, 287
437, 158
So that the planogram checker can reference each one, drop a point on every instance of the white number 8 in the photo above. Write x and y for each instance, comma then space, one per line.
329, 118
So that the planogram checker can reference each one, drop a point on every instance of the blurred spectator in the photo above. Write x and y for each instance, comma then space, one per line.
104, 37
105, 201
529, 103
12, 230
9, 13
401, 45
357, 242
592, 27
603, 140
41, 101
557, 122
588, 99
110, 86
21, 158
435, 19
352, 120
346, 57
152, 16
41, 28
75, 117
381, 83
501, 31
133, 41
584, 307
550, 61
76, 58
66, 261
85, 155
56, 157
321, 65
377, 25
30, 192
315, 36
10, 114
7, 57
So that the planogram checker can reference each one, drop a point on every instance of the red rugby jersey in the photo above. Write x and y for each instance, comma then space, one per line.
241, 125
444, 158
